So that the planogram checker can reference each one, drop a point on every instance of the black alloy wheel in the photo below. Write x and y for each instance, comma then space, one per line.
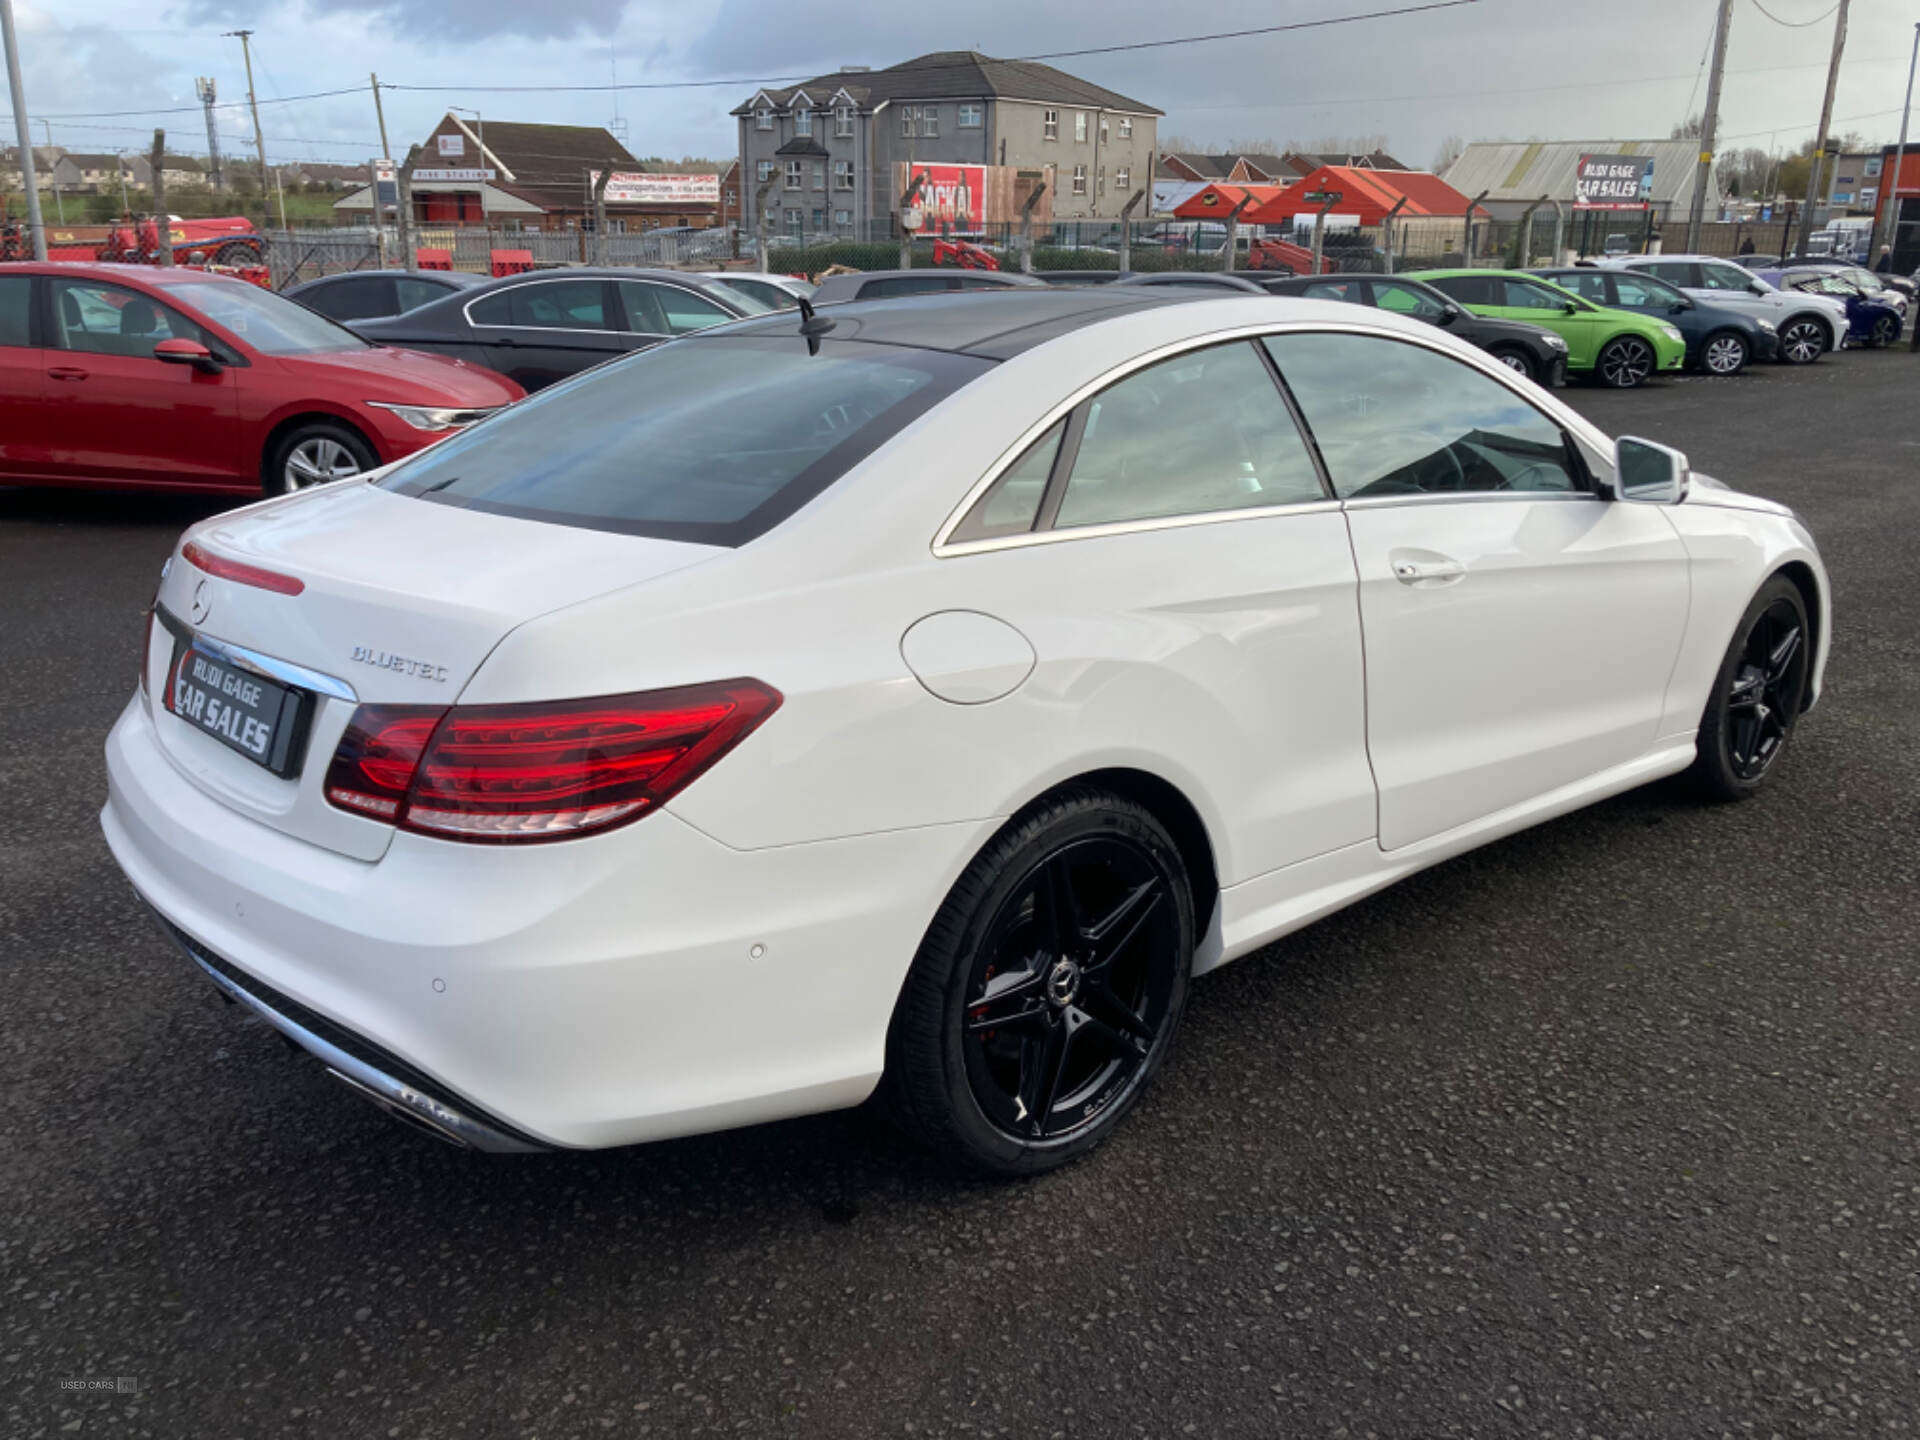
1886, 330
1802, 341
1624, 362
1048, 988
1758, 694
1515, 360
1725, 353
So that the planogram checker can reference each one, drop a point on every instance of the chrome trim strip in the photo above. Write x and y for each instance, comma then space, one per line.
284, 671
375, 1085
1134, 527
1554, 409
1462, 497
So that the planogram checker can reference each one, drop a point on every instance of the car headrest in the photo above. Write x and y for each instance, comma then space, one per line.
139, 317
70, 310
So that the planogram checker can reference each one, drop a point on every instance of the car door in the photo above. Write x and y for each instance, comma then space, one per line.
23, 380
1519, 628
1196, 525
116, 413
543, 330
1404, 299
1581, 326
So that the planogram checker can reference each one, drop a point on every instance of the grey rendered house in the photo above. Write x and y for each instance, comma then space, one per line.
828, 154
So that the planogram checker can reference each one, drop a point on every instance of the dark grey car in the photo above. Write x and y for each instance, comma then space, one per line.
377, 294
539, 328
891, 284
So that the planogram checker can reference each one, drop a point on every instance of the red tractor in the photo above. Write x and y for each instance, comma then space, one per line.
965, 254
229, 244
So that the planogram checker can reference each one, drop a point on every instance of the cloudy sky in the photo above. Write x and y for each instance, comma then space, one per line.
1517, 69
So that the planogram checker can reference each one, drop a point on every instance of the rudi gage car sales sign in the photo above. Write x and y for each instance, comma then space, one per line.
1613, 182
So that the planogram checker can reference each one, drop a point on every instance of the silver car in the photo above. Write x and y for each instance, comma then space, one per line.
1809, 325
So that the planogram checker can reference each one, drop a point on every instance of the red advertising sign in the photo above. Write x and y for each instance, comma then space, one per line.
952, 198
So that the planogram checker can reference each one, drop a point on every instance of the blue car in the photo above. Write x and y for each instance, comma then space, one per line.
1870, 321
1721, 340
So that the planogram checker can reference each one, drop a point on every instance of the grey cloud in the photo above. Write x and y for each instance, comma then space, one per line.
459, 23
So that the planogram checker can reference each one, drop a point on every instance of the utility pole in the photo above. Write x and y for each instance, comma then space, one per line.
599, 183
380, 114
1820, 135
29, 176
162, 230
1703, 177
1892, 184
204, 87
259, 141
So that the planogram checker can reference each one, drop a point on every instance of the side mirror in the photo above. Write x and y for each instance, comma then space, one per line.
1570, 308
1450, 314
1649, 473
1680, 306
1756, 287
187, 352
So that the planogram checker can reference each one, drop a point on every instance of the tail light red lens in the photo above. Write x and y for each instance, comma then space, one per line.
507, 773
239, 571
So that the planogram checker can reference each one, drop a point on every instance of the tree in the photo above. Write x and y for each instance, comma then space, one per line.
1692, 128
1450, 150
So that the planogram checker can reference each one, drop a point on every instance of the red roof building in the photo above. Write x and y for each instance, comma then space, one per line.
1366, 195
1217, 200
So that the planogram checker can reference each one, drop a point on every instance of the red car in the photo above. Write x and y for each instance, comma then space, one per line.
131, 375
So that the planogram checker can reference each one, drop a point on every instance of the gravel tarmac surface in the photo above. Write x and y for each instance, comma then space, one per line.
1607, 1130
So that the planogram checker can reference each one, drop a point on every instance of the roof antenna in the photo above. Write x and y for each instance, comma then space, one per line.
813, 324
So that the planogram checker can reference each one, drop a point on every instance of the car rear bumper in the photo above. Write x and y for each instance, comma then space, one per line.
630, 986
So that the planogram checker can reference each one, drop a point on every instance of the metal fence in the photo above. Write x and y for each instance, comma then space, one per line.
306, 254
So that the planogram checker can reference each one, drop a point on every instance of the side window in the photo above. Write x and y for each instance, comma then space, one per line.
1199, 433
411, 294
1347, 290
1724, 277
897, 285
1674, 272
16, 310
108, 320
683, 310
547, 305
1011, 504
1393, 418
1467, 289
1522, 295
1588, 285
1405, 300
1637, 292
365, 297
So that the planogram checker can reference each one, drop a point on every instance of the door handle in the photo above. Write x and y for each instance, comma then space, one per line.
66, 372
1421, 572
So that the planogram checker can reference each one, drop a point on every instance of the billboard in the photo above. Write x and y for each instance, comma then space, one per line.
452, 147
952, 198
641, 188
1613, 182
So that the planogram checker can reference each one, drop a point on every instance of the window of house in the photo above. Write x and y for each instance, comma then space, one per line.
803, 122
1080, 127
819, 220
792, 220
765, 171
843, 219
906, 120
843, 120
1100, 181
763, 119
1103, 129
970, 116
793, 174
733, 198
1126, 127
819, 174
1049, 124
929, 119
1203, 432
1079, 179
1392, 418
843, 174
1123, 177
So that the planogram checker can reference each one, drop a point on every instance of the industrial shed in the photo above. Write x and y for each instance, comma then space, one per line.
1514, 174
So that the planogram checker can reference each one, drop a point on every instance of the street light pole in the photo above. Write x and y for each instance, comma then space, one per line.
29, 176
1703, 176
1892, 231
259, 141
480, 134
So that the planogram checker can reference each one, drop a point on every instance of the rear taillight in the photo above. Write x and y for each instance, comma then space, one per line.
146, 647
504, 773
239, 571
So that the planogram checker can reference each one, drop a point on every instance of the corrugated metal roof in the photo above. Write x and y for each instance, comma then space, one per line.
1526, 170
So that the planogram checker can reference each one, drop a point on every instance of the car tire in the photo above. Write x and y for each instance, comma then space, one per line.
1624, 362
1516, 360
1803, 340
1886, 330
1047, 990
1757, 695
1725, 352
316, 453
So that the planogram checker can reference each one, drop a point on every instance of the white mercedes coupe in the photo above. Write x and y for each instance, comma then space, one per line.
912, 697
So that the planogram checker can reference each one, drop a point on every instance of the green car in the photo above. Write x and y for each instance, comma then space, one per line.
1616, 347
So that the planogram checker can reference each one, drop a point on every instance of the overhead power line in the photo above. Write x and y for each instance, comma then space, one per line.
1794, 24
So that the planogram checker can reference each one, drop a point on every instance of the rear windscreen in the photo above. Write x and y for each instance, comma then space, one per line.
713, 439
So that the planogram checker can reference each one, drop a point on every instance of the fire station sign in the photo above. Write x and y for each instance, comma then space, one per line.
1613, 182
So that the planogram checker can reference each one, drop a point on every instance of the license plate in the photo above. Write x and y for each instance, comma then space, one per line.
260, 718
